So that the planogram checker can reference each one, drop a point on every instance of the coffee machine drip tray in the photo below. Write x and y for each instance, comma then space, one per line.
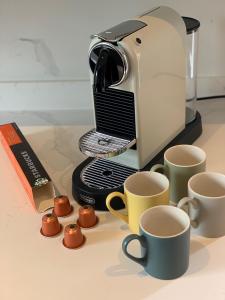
105, 174
97, 144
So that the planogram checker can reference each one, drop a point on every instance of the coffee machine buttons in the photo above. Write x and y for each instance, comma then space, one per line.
120, 31
138, 40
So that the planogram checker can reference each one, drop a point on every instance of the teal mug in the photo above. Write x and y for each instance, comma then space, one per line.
165, 241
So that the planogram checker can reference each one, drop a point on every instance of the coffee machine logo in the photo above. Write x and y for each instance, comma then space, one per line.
87, 199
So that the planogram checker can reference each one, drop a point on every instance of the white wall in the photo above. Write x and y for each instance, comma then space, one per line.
44, 43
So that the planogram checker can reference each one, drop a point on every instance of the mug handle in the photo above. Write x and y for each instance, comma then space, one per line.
113, 211
157, 168
195, 204
127, 240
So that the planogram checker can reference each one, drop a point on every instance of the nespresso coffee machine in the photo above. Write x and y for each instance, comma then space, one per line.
137, 72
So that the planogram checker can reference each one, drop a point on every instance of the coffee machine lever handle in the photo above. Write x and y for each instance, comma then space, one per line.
100, 83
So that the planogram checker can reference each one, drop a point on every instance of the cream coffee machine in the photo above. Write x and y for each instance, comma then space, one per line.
137, 73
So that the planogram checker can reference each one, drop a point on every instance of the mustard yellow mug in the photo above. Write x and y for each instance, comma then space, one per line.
142, 190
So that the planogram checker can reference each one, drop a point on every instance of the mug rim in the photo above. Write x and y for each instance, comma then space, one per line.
187, 227
199, 175
188, 146
148, 172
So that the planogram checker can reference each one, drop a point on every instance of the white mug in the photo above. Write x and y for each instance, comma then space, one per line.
206, 204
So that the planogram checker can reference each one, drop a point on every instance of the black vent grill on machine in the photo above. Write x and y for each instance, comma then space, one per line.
115, 112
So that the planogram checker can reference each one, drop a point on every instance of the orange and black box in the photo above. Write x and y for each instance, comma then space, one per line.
31, 172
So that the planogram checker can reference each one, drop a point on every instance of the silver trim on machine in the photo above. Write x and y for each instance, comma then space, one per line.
122, 55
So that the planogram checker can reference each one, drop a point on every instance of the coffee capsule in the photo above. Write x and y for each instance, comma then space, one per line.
87, 217
62, 206
73, 237
50, 225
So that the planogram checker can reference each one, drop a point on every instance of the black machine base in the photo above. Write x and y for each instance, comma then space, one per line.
94, 179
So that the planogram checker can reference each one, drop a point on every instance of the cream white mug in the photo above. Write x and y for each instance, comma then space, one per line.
206, 204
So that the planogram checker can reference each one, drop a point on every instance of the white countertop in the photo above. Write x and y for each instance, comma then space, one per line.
34, 267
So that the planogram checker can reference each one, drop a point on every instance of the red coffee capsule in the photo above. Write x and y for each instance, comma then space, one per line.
87, 217
62, 206
73, 237
50, 225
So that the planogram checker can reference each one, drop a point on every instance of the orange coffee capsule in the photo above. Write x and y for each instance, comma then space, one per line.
73, 237
62, 206
87, 217
50, 225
